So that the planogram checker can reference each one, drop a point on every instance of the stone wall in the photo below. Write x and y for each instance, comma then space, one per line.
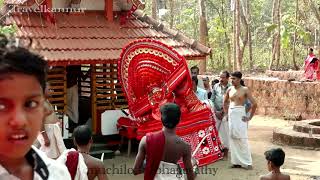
286, 75
282, 98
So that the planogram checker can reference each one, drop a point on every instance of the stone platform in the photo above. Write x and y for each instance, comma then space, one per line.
304, 134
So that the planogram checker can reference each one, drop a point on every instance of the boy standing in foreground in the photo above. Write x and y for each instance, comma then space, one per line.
22, 85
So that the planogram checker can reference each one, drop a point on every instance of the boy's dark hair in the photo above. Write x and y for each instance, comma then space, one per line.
276, 156
170, 115
226, 73
21, 60
242, 82
237, 74
195, 67
195, 79
82, 135
311, 50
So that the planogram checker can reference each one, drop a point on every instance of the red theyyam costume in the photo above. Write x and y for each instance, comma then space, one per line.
152, 74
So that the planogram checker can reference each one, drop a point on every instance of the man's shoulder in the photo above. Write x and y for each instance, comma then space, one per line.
185, 146
245, 89
265, 177
95, 162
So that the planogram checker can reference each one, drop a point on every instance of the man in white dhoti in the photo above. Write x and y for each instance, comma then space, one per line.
81, 165
50, 138
164, 149
238, 121
222, 125
73, 75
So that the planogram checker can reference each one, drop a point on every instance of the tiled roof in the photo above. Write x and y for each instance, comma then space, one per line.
15, 2
89, 38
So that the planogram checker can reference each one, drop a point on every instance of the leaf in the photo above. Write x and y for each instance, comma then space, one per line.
271, 28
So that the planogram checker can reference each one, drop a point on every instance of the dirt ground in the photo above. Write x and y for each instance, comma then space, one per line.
301, 164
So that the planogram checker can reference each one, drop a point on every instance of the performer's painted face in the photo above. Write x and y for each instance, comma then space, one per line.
21, 114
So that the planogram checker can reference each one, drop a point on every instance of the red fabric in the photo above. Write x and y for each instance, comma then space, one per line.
310, 66
152, 74
155, 148
127, 128
72, 163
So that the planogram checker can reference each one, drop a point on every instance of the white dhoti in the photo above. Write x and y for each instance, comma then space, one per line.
238, 133
82, 168
56, 147
168, 171
73, 103
222, 126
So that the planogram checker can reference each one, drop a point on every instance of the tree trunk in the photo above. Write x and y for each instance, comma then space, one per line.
234, 41
279, 34
154, 9
238, 51
203, 29
314, 9
273, 49
245, 38
226, 38
249, 35
295, 38
171, 4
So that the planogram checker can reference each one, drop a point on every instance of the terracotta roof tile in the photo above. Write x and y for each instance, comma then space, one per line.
17, 2
93, 44
89, 38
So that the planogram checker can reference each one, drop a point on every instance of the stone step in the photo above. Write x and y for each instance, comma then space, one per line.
307, 125
108, 154
293, 138
98, 147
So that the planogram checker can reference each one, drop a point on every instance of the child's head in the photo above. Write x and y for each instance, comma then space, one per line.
82, 136
275, 158
22, 85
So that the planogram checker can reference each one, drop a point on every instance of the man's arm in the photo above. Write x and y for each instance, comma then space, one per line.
138, 164
226, 102
253, 102
47, 112
102, 172
187, 163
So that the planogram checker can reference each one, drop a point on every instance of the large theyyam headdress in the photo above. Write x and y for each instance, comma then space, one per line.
149, 72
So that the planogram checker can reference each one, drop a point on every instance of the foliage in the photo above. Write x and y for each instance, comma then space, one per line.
8, 30
220, 30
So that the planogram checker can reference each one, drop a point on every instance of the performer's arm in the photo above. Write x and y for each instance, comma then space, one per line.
188, 164
138, 164
253, 104
226, 102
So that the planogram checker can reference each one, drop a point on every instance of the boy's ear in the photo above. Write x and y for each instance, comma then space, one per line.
91, 141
